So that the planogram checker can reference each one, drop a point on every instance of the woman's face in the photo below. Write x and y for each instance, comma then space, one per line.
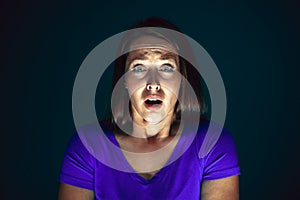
153, 81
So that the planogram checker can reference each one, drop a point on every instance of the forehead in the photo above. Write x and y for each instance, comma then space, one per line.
150, 54
152, 41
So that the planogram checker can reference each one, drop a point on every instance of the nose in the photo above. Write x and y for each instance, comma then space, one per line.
153, 86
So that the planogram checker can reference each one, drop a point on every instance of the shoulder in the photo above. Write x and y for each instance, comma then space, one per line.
211, 137
216, 151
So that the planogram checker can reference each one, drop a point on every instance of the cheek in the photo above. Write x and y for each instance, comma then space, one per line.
134, 85
135, 93
172, 86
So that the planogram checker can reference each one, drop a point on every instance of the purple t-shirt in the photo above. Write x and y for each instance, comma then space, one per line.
179, 180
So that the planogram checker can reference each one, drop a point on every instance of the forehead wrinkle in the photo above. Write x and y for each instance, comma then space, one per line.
146, 55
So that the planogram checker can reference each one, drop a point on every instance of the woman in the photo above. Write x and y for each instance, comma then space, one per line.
158, 85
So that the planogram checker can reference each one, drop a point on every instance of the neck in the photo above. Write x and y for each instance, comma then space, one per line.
147, 130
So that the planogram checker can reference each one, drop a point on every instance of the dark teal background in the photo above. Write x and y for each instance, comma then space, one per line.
254, 44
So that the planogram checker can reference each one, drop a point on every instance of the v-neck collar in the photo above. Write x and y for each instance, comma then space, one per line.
136, 176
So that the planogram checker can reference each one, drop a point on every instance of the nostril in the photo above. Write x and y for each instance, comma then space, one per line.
149, 87
152, 86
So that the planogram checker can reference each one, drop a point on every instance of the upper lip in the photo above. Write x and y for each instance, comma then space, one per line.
153, 97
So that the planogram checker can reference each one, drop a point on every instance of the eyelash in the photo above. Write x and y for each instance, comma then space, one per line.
135, 68
170, 68
141, 68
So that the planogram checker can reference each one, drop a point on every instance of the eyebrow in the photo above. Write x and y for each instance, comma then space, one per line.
169, 55
165, 56
140, 56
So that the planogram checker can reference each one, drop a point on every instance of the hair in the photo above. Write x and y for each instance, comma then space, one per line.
187, 103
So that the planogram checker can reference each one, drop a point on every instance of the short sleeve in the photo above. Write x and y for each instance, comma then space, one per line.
78, 165
222, 160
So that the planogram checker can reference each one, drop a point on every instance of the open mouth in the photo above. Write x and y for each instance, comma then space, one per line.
153, 103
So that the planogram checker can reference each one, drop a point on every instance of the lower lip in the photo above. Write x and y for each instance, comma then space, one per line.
153, 106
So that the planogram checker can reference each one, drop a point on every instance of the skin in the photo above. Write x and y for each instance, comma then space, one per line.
152, 72
69, 192
151, 130
221, 189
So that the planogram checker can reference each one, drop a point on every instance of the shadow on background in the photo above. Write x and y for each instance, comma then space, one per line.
255, 46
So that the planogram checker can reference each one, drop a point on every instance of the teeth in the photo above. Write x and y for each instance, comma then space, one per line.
153, 101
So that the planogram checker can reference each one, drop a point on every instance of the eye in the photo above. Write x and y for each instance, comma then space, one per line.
167, 68
138, 68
